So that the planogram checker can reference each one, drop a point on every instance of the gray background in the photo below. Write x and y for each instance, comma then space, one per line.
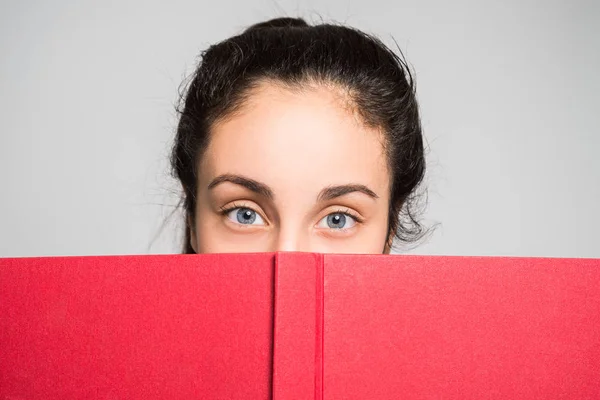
509, 92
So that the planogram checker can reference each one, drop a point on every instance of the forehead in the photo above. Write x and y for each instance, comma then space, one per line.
303, 139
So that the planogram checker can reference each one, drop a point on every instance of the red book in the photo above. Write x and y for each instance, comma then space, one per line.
299, 326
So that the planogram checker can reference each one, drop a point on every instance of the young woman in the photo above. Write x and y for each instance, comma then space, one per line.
299, 138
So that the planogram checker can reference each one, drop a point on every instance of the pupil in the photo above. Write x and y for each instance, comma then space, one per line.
246, 216
336, 221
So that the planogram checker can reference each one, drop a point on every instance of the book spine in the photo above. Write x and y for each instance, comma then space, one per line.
319, 326
298, 326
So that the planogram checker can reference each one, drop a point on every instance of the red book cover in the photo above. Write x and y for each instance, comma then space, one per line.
390, 327
148, 327
299, 326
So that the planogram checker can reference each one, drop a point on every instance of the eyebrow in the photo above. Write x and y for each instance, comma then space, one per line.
333, 192
329, 193
250, 184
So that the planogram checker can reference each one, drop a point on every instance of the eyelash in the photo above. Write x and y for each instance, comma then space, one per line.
346, 212
233, 206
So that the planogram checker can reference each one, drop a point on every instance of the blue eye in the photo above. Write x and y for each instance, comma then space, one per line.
245, 216
337, 220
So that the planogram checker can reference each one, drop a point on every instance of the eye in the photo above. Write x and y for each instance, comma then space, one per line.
245, 216
338, 220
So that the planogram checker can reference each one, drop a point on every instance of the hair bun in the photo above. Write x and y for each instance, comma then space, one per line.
279, 23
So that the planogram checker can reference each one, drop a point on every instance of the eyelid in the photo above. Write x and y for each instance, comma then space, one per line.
224, 210
325, 221
340, 232
342, 210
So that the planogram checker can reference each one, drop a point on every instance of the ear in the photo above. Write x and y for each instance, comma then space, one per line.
193, 236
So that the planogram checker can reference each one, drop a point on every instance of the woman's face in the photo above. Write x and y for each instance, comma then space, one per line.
292, 171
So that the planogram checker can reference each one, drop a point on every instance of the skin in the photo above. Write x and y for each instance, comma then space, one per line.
300, 171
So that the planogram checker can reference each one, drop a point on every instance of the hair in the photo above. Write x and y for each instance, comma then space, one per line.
291, 52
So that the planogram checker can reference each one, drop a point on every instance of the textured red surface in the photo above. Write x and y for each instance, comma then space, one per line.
461, 328
298, 330
153, 327
299, 326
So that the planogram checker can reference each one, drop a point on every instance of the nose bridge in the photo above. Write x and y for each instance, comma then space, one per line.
292, 238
